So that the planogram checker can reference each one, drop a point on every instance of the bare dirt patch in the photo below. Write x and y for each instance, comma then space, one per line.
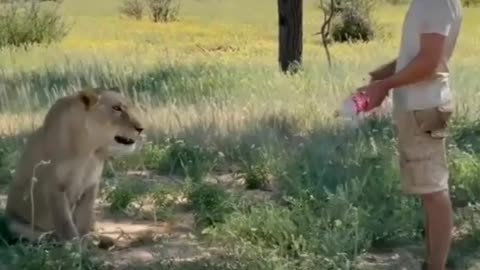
397, 259
140, 243
138, 240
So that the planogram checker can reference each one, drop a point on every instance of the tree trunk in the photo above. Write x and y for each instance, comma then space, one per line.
290, 22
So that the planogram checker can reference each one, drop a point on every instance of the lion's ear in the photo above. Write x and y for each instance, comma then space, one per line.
89, 98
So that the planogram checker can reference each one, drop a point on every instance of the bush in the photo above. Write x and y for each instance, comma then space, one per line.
163, 10
464, 171
256, 177
164, 199
132, 9
258, 166
156, 158
192, 161
211, 203
354, 22
470, 3
124, 193
268, 227
27, 23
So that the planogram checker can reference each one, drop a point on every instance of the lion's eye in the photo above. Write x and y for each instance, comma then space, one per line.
117, 108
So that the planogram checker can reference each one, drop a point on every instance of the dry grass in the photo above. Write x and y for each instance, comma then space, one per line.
212, 79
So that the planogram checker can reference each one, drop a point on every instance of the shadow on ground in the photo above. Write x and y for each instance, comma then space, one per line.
330, 168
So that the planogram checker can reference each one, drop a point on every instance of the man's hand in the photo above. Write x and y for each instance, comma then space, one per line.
376, 91
421, 67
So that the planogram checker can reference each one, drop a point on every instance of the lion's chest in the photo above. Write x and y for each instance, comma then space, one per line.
78, 175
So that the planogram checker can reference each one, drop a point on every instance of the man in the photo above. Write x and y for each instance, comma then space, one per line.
422, 105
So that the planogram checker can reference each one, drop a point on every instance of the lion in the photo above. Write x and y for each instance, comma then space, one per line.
58, 174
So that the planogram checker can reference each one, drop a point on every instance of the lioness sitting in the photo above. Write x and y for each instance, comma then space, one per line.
58, 174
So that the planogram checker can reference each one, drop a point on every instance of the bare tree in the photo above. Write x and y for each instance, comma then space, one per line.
328, 14
290, 22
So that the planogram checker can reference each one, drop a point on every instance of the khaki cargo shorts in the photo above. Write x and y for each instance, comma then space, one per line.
422, 149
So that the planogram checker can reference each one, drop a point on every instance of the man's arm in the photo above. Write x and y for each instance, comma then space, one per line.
423, 66
434, 26
383, 71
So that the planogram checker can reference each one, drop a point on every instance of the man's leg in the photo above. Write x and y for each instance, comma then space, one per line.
439, 227
424, 170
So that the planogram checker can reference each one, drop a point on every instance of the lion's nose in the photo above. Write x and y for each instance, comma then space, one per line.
139, 129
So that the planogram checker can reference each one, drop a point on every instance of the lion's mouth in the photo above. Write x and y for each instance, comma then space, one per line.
124, 140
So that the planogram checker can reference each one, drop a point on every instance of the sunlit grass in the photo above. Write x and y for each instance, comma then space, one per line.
212, 79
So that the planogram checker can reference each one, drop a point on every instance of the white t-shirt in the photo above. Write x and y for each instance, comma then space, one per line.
427, 16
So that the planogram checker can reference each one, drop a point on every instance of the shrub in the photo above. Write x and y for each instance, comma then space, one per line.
164, 199
256, 177
124, 193
163, 10
292, 238
132, 9
464, 185
190, 160
27, 23
470, 3
156, 157
211, 203
257, 163
354, 22
269, 226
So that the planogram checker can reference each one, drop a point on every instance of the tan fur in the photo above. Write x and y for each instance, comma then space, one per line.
67, 154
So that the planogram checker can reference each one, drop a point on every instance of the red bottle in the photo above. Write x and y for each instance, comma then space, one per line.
354, 105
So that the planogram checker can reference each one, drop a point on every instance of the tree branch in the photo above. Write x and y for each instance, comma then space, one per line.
326, 26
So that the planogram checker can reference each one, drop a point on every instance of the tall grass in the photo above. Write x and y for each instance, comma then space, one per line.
212, 96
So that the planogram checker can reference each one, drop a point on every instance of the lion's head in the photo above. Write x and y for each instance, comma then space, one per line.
111, 119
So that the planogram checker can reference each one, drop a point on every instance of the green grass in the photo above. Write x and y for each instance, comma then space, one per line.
214, 99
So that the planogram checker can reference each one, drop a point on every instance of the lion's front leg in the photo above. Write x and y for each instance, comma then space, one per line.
64, 226
84, 216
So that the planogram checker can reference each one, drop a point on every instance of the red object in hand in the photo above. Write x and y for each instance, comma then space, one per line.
354, 105
361, 101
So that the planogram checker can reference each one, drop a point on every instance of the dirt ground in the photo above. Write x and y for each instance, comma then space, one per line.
143, 242
140, 241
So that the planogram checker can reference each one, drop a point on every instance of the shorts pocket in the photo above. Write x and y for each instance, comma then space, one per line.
434, 121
